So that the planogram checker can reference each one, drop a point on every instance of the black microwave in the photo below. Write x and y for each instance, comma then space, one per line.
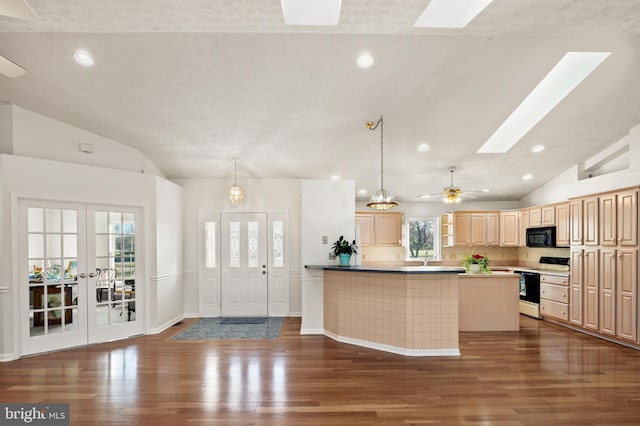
541, 237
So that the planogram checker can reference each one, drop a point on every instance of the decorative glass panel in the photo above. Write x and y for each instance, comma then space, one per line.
209, 244
234, 247
252, 233
278, 245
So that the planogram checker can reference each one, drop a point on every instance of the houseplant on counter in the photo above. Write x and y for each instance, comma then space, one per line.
476, 264
343, 250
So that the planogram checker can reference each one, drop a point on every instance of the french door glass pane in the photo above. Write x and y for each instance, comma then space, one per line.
52, 256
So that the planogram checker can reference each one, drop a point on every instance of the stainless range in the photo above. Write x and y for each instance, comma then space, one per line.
530, 283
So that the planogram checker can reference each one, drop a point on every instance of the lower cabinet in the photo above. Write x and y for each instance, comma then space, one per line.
554, 296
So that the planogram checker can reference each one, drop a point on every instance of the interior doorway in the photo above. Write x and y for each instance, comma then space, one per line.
79, 277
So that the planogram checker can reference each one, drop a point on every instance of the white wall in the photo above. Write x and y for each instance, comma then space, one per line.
568, 185
23, 176
210, 197
168, 280
38, 136
328, 209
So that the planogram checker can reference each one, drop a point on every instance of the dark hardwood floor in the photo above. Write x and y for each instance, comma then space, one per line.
542, 375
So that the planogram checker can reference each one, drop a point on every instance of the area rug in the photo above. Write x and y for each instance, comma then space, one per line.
211, 328
242, 320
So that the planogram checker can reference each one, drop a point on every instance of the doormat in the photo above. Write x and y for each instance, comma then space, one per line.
242, 320
211, 328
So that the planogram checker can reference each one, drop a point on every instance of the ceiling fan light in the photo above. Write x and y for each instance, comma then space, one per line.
382, 200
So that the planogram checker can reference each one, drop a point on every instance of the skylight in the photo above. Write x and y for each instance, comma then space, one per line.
554, 87
311, 12
450, 13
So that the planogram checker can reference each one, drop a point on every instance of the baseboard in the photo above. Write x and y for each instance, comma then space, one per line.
7, 357
311, 331
163, 327
192, 315
394, 349
295, 314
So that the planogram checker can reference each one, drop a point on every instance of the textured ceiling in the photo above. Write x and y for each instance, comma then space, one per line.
193, 84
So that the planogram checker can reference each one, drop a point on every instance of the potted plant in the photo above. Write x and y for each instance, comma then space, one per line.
476, 264
343, 250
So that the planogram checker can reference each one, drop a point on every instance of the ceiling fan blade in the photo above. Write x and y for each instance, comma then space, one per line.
10, 69
17, 9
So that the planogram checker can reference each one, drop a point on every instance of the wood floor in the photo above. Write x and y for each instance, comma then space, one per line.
542, 375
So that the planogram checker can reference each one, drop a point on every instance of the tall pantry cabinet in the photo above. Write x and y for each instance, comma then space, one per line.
604, 264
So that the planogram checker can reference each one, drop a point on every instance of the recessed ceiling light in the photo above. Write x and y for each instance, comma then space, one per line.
362, 192
450, 13
554, 87
335, 178
311, 12
423, 147
528, 176
83, 58
425, 196
537, 148
486, 190
365, 60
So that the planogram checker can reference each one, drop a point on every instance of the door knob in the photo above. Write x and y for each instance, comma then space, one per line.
83, 275
264, 272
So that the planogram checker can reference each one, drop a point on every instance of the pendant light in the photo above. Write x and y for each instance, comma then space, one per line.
382, 199
235, 193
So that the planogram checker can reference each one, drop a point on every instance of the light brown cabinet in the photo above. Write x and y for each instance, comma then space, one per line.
367, 230
604, 264
627, 294
493, 229
535, 217
575, 287
548, 214
510, 228
554, 297
575, 222
380, 229
563, 237
590, 209
476, 228
591, 288
524, 224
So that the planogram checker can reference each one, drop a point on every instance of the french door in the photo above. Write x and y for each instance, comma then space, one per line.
78, 274
244, 264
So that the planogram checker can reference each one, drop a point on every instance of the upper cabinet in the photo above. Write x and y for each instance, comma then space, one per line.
563, 234
380, 229
619, 218
510, 228
476, 228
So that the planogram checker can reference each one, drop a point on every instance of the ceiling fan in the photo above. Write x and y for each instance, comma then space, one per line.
16, 9
451, 194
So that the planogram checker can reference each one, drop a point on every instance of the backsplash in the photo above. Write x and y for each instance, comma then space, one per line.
453, 256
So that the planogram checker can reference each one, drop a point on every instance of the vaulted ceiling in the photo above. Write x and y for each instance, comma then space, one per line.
193, 84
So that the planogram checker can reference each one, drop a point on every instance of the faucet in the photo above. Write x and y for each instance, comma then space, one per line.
426, 260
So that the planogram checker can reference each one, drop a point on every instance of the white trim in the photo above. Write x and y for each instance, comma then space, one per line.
311, 331
4, 289
166, 276
394, 349
7, 357
166, 325
295, 314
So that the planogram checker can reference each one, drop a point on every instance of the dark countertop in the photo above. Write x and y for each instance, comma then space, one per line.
391, 269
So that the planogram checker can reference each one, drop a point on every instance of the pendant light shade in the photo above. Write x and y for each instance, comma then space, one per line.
382, 199
235, 193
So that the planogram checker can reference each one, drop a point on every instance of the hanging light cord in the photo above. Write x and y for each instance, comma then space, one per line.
371, 126
235, 170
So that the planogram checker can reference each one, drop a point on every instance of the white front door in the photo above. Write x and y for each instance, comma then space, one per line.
77, 275
244, 264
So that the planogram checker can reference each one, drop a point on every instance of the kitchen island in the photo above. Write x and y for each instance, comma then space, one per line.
412, 310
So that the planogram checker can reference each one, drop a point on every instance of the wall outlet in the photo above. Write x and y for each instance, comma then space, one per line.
325, 239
